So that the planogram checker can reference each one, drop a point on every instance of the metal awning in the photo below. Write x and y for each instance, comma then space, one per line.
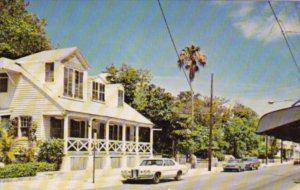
283, 124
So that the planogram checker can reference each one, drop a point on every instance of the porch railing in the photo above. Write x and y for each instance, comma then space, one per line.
81, 145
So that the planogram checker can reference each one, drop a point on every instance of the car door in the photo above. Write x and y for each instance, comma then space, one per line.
170, 169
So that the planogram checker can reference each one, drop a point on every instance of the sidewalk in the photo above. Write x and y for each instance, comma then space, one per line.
78, 180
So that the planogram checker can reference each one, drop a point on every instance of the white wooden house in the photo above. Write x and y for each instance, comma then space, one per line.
53, 89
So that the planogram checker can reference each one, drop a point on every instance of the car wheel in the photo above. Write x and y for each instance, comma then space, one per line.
156, 178
178, 176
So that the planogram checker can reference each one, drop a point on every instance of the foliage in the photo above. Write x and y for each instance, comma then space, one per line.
129, 77
13, 127
22, 33
43, 166
190, 58
52, 151
219, 155
26, 154
6, 142
32, 131
240, 132
25, 169
233, 129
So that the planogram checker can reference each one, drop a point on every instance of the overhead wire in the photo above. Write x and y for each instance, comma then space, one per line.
173, 42
285, 38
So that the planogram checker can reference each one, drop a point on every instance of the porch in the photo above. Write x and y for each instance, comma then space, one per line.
83, 135
85, 146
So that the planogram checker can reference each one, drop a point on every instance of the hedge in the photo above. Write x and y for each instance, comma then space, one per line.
25, 169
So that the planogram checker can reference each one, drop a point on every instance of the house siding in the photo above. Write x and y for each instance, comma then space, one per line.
6, 97
28, 100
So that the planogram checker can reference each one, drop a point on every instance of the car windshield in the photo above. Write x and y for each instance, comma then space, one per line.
233, 161
247, 159
152, 163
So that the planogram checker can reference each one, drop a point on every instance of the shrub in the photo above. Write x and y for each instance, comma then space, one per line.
6, 142
17, 170
26, 154
25, 169
43, 166
52, 152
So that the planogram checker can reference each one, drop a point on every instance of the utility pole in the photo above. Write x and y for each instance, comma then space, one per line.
267, 139
210, 122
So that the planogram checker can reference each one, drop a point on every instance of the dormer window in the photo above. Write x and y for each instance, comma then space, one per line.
98, 92
73, 83
3, 82
49, 72
120, 97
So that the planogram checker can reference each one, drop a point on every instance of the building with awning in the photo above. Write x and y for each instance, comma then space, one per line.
282, 124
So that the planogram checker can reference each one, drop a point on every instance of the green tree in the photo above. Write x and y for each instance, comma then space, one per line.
130, 77
22, 33
239, 133
156, 104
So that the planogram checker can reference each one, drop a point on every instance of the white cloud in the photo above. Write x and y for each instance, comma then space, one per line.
244, 10
256, 21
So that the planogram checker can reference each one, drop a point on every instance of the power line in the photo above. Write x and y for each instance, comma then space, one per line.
286, 41
173, 42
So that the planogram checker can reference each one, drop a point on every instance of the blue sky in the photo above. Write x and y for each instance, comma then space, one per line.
245, 48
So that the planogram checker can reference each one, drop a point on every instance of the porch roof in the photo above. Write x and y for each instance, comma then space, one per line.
124, 112
283, 124
8, 64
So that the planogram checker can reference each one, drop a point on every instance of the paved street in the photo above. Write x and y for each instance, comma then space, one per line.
275, 176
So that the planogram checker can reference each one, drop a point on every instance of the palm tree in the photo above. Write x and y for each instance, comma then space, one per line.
191, 58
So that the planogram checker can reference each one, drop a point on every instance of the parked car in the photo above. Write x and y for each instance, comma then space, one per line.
251, 163
155, 169
297, 161
234, 165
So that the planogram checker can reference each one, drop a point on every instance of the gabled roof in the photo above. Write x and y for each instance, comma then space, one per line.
101, 76
54, 55
9, 65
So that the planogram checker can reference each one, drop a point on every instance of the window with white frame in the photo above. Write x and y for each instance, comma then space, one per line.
25, 125
3, 82
115, 132
130, 133
78, 84
98, 92
73, 83
49, 72
78, 129
120, 97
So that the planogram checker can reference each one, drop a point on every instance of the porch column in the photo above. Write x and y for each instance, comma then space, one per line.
90, 126
124, 156
19, 127
123, 138
107, 137
137, 140
151, 141
66, 134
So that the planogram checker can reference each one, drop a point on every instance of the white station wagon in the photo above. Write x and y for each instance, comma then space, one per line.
155, 169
